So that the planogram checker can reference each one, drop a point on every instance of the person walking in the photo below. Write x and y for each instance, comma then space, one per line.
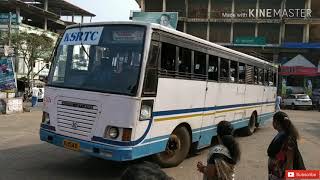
223, 157
35, 95
278, 103
283, 151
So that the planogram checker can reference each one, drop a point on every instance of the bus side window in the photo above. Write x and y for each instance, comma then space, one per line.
224, 70
168, 56
199, 64
270, 73
256, 75
261, 77
213, 68
184, 64
151, 78
153, 55
275, 82
266, 83
234, 71
249, 74
242, 73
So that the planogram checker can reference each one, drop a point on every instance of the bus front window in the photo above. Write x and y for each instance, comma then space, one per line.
110, 65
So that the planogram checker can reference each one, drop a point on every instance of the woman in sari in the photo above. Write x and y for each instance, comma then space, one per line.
223, 157
283, 151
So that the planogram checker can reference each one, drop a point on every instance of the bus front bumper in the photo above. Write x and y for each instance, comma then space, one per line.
96, 149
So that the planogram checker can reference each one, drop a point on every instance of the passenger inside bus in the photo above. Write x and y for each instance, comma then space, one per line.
117, 69
184, 69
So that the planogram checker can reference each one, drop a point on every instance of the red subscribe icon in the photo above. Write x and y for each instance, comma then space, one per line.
303, 174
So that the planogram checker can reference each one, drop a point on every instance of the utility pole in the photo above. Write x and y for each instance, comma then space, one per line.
9, 29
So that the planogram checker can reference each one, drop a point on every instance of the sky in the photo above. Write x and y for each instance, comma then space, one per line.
107, 10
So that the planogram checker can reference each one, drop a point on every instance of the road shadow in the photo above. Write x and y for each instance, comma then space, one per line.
44, 161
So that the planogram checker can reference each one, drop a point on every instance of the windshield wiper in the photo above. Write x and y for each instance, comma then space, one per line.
81, 43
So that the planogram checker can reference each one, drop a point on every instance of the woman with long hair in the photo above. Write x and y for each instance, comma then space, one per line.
283, 151
223, 157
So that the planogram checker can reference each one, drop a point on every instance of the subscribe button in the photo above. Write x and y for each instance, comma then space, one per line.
303, 174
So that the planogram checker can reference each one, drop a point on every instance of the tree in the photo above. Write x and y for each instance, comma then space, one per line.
3, 38
32, 48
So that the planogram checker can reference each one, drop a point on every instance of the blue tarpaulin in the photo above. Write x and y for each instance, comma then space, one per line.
301, 45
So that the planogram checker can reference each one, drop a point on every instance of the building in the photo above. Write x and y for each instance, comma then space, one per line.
274, 30
43, 14
38, 16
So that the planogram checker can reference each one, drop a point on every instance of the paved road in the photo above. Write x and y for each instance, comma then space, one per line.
23, 156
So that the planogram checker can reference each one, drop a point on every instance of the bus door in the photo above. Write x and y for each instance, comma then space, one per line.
265, 92
261, 91
208, 129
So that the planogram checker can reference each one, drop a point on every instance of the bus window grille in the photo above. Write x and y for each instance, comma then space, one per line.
181, 75
250, 75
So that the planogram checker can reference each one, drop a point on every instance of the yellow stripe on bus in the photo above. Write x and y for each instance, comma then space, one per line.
202, 114
178, 117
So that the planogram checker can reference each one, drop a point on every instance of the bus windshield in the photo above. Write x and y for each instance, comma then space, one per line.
99, 58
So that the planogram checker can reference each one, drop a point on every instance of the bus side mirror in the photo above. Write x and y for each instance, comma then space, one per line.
45, 80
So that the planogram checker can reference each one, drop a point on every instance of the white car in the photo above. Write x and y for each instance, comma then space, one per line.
298, 100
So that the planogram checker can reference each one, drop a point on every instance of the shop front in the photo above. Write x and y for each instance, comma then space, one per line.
299, 75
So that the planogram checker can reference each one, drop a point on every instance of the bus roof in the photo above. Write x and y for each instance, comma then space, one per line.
179, 33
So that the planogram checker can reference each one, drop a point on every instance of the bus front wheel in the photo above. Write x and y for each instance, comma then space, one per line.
177, 149
249, 130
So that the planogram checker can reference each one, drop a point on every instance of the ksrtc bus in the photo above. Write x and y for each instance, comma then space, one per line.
126, 90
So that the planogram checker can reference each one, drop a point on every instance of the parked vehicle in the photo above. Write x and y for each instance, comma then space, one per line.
298, 100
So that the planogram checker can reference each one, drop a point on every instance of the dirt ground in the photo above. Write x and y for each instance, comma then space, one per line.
24, 156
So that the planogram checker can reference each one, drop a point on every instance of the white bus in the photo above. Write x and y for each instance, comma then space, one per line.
126, 90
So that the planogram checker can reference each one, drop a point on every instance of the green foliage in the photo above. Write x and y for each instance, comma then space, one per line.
32, 48
3, 38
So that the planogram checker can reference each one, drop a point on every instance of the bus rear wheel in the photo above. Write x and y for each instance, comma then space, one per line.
177, 149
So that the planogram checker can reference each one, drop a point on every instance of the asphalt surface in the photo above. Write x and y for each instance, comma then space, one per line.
23, 156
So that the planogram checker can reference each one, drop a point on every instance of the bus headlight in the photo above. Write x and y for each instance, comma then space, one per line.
45, 118
146, 110
112, 132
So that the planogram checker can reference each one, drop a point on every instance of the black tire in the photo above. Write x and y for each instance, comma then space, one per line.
293, 107
177, 149
249, 130
256, 124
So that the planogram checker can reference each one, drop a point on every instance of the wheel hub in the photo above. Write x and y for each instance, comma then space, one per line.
173, 145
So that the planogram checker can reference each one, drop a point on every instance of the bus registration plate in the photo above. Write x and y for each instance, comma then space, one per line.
71, 145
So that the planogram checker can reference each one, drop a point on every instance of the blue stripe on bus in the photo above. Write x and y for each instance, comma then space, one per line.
158, 144
192, 110
120, 143
171, 112
179, 111
154, 145
240, 123
160, 113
